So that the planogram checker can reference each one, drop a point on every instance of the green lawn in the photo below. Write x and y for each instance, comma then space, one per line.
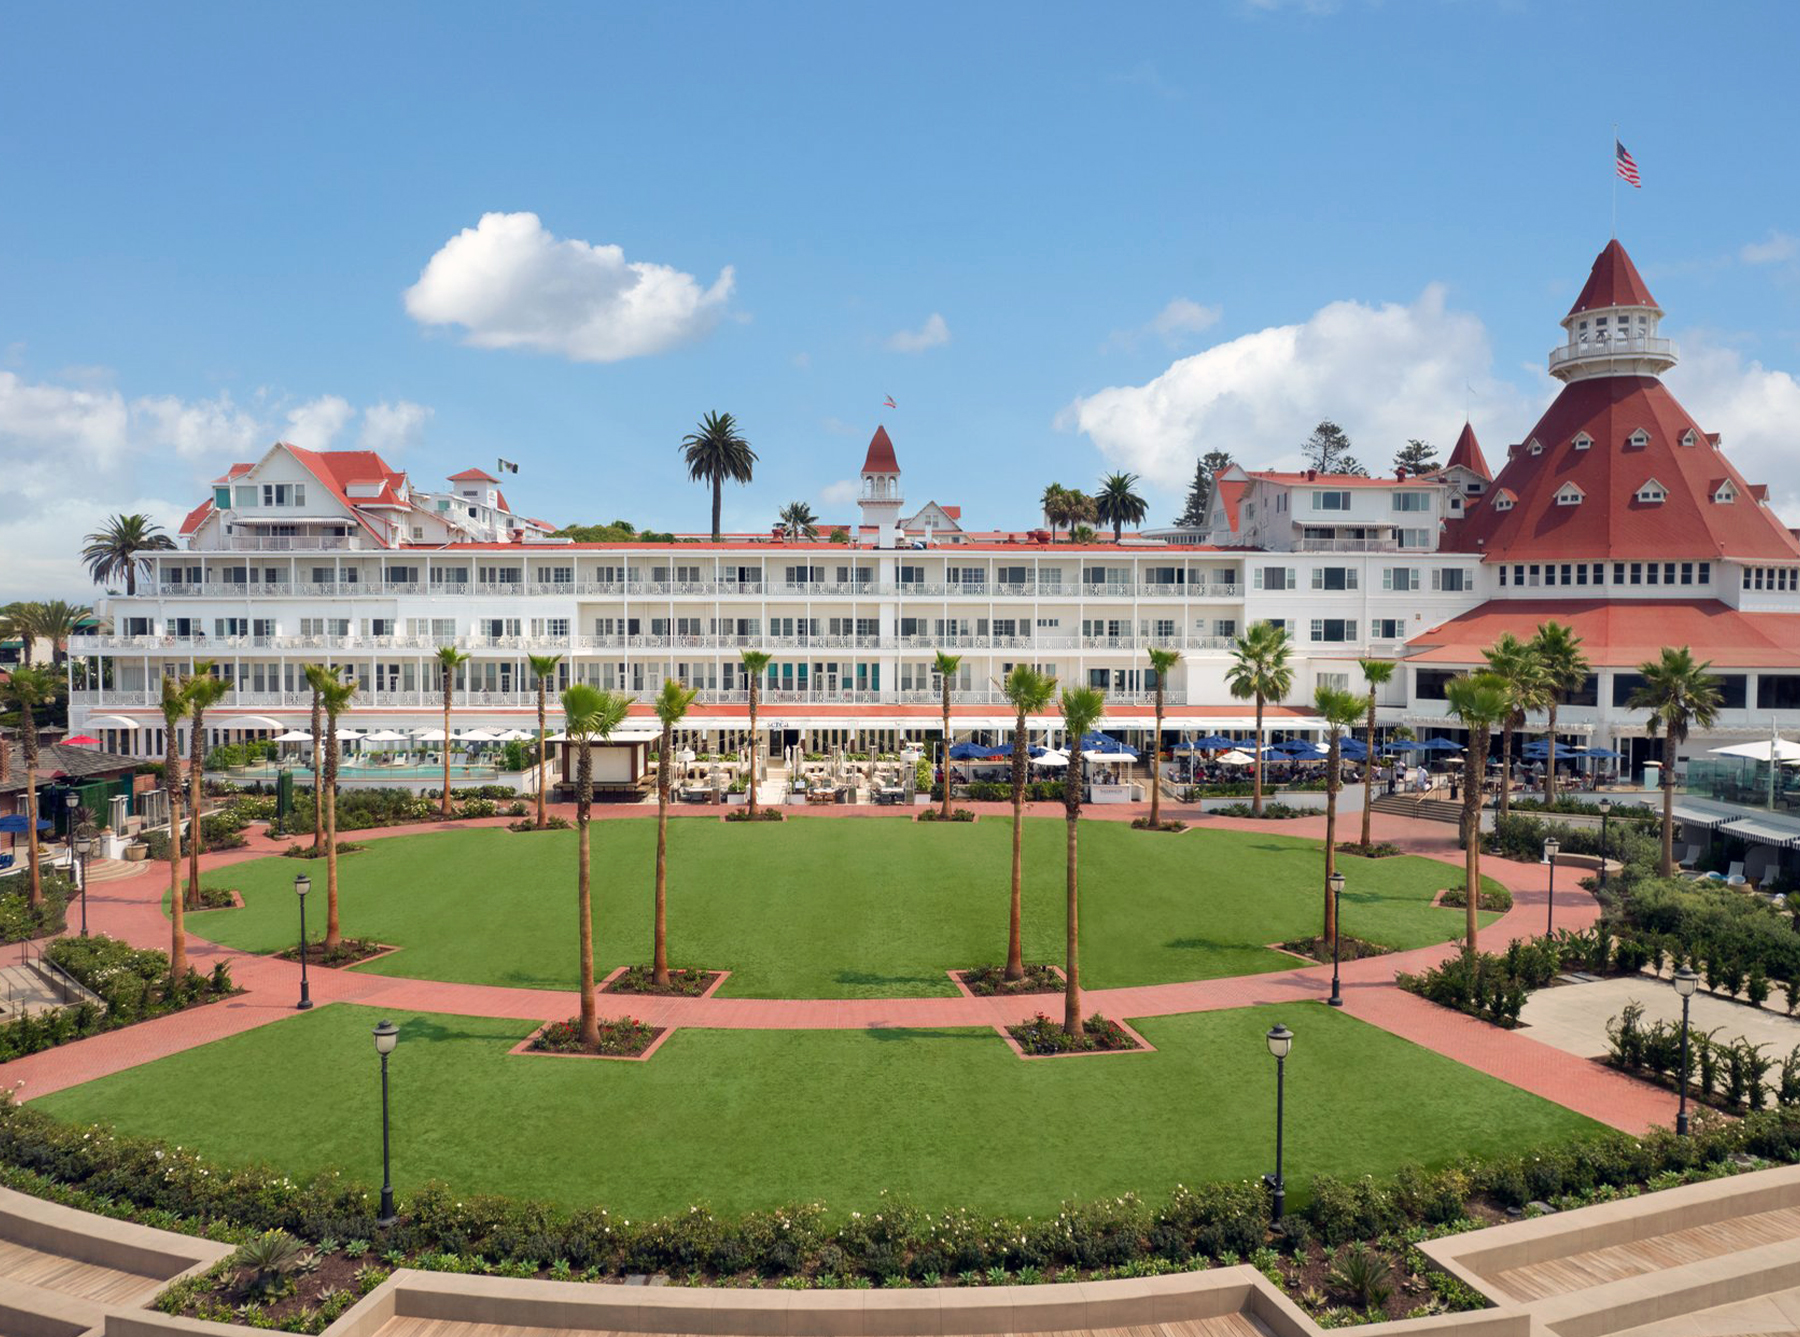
825, 908
743, 1119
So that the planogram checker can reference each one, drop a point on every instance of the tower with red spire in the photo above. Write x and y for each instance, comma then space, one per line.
879, 498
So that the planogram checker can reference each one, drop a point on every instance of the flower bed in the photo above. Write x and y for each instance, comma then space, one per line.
1349, 949
19, 921
1042, 1036
1272, 812
348, 952
1145, 824
551, 823
1731, 1074
307, 852
218, 898
760, 815
132, 985
1494, 986
991, 981
620, 1037
682, 983
1491, 898
1378, 850
937, 815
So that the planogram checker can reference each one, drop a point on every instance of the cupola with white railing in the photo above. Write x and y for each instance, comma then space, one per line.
1612, 326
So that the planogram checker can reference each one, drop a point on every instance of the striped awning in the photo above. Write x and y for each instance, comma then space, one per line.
1761, 832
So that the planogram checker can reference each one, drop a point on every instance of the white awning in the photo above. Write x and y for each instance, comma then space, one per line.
1761, 750
252, 722
113, 722
1761, 832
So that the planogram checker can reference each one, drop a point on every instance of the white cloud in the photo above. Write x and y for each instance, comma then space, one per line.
803, 361
392, 428
315, 424
511, 284
1753, 408
840, 493
929, 335
1778, 246
1182, 316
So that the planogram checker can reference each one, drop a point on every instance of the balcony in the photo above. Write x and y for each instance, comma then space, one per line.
1351, 545
1660, 353
292, 543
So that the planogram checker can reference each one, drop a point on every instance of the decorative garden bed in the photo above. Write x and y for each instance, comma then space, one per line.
307, 852
685, 983
1171, 825
991, 981
218, 898
1272, 812
1319, 949
1043, 1038
760, 815
348, 952
1377, 850
1492, 898
620, 1038
937, 815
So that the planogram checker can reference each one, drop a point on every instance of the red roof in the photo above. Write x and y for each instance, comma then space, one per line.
1314, 477
236, 471
1231, 492
1467, 454
1621, 633
1614, 281
880, 459
1610, 522
338, 469
196, 517
473, 476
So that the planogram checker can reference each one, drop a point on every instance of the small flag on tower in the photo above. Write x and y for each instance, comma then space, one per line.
508, 467
888, 403
1626, 167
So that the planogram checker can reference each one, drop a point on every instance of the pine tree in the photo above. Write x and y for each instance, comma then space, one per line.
1199, 497
1328, 451
1417, 457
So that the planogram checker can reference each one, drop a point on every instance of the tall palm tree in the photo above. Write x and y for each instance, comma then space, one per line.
543, 668
1679, 694
1118, 503
119, 548
335, 695
798, 521
175, 706
1162, 663
1081, 711
54, 621
1558, 652
1480, 701
715, 453
1260, 671
203, 690
28, 689
755, 662
671, 705
317, 675
14, 619
449, 659
1377, 673
1055, 504
589, 713
1516, 664
1340, 710
1079, 512
945, 666
1030, 692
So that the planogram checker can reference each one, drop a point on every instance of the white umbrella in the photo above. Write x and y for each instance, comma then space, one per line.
348, 735
516, 736
429, 735
1761, 750
387, 736
295, 736
1051, 758
480, 736
1236, 757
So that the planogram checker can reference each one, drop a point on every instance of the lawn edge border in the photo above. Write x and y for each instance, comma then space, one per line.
1143, 1045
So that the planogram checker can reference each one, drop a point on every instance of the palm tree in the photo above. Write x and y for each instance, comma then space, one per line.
1340, 710
1080, 513
1118, 503
755, 661
798, 521
671, 704
589, 713
1260, 671
945, 666
1481, 701
14, 618
716, 453
1081, 711
1558, 652
449, 660
175, 706
543, 667
1055, 504
203, 690
1516, 664
1377, 673
317, 675
29, 688
1162, 663
1679, 694
118, 548
1030, 692
334, 694
53, 621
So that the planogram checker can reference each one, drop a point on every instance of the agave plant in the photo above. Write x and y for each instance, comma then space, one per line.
269, 1258
1361, 1276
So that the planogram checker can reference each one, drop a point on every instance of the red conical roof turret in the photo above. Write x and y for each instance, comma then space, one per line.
880, 459
1614, 281
1467, 454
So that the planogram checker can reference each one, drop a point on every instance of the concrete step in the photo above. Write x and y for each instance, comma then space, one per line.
1409, 805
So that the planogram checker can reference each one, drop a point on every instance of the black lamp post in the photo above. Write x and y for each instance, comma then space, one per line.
1552, 847
387, 1035
84, 846
302, 885
1280, 1039
1336, 882
1686, 981
1605, 812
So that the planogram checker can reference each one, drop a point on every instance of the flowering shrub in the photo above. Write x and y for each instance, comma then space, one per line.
133, 986
1169, 824
956, 815
551, 823
682, 983
1272, 812
18, 921
762, 815
986, 981
1041, 1035
620, 1037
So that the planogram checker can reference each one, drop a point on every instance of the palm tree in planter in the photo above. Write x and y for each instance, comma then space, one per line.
29, 689
449, 659
175, 705
1118, 503
716, 453
1081, 711
335, 695
589, 713
543, 668
756, 662
1559, 657
1516, 664
316, 675
118, 548
671, 705
203, 691
1030, 693
946, 666
1162, 664
1377, 673
1481, 701
1260, 671
1680, 695
797, 521
1340, 710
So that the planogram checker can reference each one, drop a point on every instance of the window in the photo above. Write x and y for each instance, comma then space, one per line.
1400, 578
1652, 493
1412, 501
1338, 681
246, 494
324, 626
1387, 629
1689, 438
1725, 494
1638, 439
1569, 495
1334, 629
1534, 447
1334, 578
1583, 441
1503, 501
1225, 627
1502, 570
1415, 538
1451, 579
222, 498
1777, 691
497, 575
1331, 501
1428, 684
1273, 578
284, 494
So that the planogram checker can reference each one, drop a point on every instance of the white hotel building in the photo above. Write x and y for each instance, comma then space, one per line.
1617, 513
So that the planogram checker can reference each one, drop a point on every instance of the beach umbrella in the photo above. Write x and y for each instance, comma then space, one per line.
1353, 749
1437, 745
82, 740
1236, 757
1761, 750
1107, 748
522, 736
479, 736
430, 735
1050, 757
386, 736
294, 736
15, 824
1605, 753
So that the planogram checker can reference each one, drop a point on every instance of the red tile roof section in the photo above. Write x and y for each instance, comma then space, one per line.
1614, 281
1467, 454
1621, 633
236, 471
1231, 492
880, 459
196, 517
473, 476
337, 469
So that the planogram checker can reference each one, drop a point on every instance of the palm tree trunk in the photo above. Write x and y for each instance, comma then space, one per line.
195, 764
317, 770
1506, 734
449, 686
1550, 763
1015, 949
659, 952
1256, 770
1156, 760
29, 745
1472, 833
718, 483
542, 819
944, 811
177, 923
1368, 812
1072, 951
1332, 785
584, 791
1666, 864
753, 738
332, 933
131, 576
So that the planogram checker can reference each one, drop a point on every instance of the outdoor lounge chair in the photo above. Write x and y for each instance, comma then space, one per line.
1732, 876
1687, 856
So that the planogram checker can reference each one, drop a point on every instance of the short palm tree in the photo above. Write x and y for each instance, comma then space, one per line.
449, 659
543, 668
798, 521
119, 548
1680, 695
54, 621
1516, 664
946, 666
755, 663
1055, 505
31, 689
175, 706
203, 691
1340, 710
1260, 671
1559, 657
1081, 711
335, 695
671, 705
1030, 693
1481, 701
589, 713
14, 620
1118, 503
1162, 664
1079, 513
717, 452
317, 675
1377, 673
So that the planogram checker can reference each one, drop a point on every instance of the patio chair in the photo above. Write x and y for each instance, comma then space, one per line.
1734, 875
1687, 855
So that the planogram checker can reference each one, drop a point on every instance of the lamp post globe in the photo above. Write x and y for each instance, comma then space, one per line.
1552, 847
1336, 882
1280, 1041
302, 885
386, 1035
1685, 982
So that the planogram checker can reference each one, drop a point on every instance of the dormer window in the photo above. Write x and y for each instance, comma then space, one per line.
1534, 447
1690, 437
1652, 493
1583, 441
1725, 493
1569, 495
1638, 439
1503, 501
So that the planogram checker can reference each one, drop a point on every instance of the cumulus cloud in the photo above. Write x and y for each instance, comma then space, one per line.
1180, 318
509, 283
1752, 407
315, 424
393, 428
1772, 250
840, 493
929, 335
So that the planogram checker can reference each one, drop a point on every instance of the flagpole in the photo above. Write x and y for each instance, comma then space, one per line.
1615, 182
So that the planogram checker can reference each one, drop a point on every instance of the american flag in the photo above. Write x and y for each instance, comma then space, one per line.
1627, 168
889, 403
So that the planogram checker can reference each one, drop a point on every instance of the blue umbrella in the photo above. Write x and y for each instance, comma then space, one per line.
1437, 745
974, 752
1215, 741
1099, 742
1605, 752
16, 824
1353, 749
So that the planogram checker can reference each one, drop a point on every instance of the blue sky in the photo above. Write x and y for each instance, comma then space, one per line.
214, 214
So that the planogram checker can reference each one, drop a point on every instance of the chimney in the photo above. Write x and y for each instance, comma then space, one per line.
1312, 475
1400, 473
